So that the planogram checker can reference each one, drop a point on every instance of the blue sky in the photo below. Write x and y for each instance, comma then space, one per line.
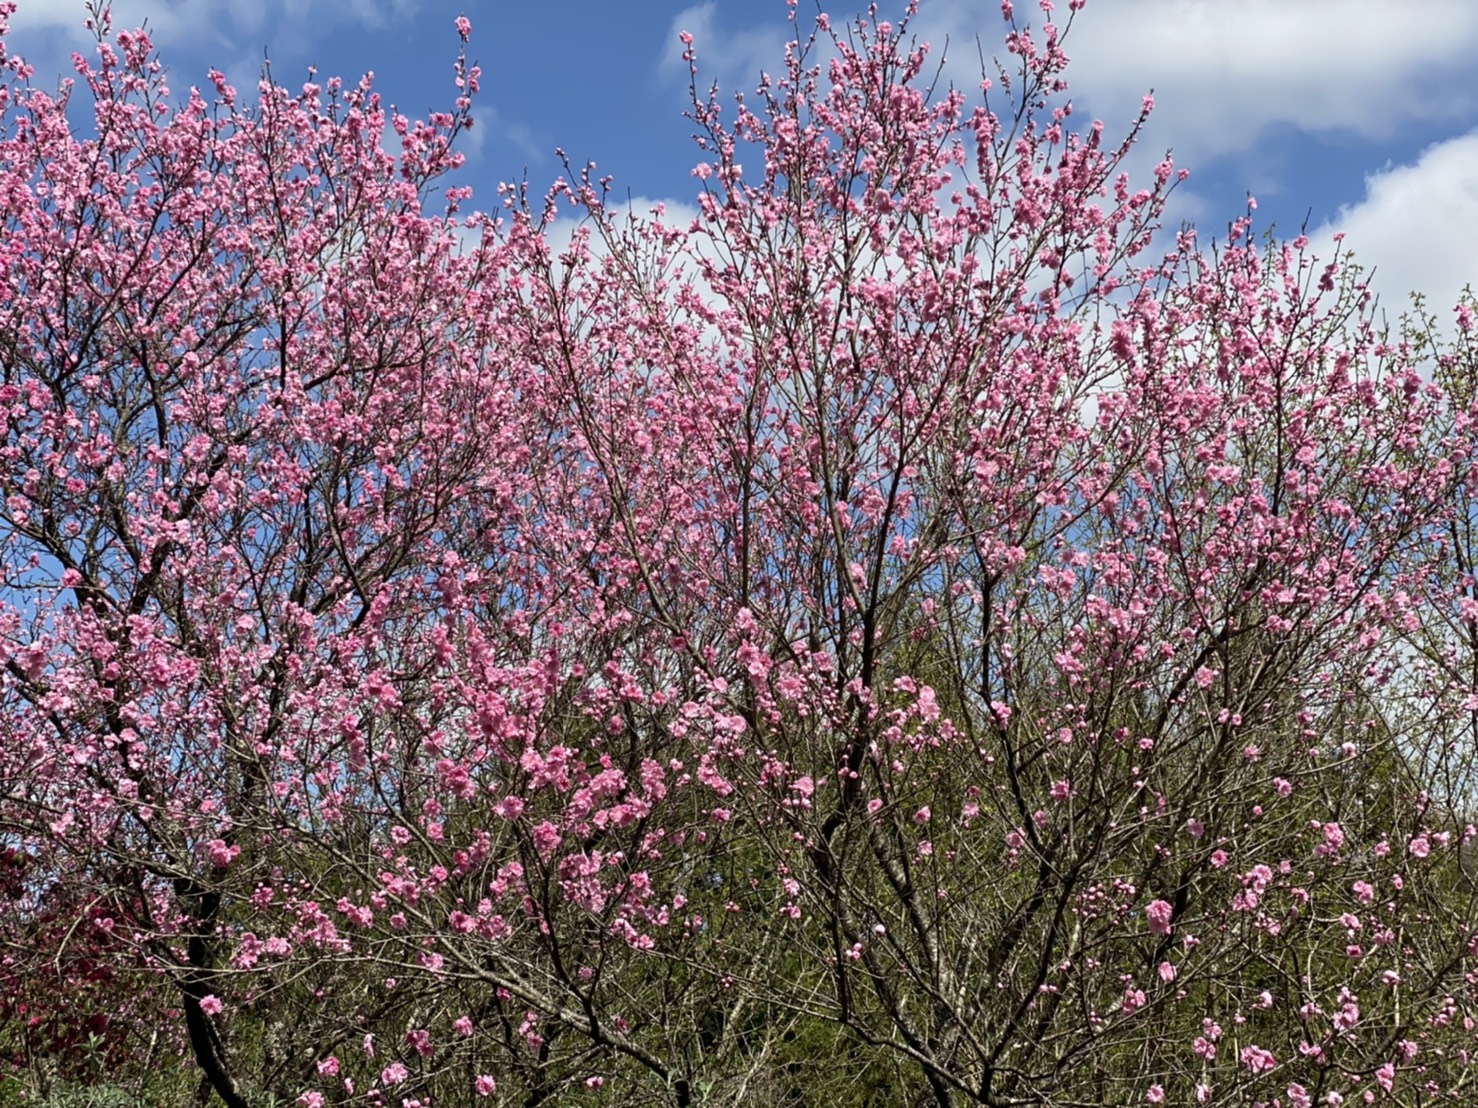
1355, 115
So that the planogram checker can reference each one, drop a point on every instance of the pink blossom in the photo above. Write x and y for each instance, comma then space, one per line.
418, 580
1158, 913
1257, 1059
1334, 838
222, 855
508, 807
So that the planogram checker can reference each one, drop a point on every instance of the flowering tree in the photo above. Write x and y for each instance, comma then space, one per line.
894, 619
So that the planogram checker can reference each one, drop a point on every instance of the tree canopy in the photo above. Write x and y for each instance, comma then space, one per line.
918, 634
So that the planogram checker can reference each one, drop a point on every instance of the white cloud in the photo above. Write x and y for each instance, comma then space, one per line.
192, 35
229, 36
1224, 70
171, 19
64, 19
732, 56
674, 213
1417, 226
